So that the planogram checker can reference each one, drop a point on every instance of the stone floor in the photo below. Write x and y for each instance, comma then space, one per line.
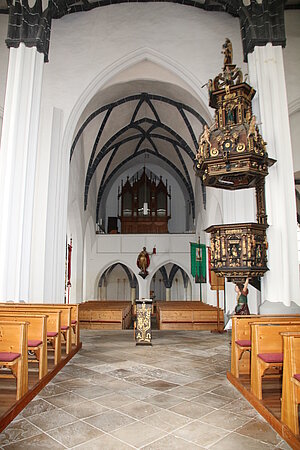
114, 395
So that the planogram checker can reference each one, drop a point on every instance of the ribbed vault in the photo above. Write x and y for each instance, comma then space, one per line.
120, 133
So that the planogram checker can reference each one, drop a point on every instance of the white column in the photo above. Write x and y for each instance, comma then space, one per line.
168, 294
133, 295
17, 170
104, 291
185, 294
50, 211
266, 71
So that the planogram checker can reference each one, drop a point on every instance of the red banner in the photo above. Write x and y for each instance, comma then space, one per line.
209, 263
69, 263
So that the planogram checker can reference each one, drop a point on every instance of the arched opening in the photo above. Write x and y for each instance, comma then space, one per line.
117, 282
170, 283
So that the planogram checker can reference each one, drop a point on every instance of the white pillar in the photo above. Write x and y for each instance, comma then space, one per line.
104, 291
185, 294
17, 170
133, 295
168, 294
266, 71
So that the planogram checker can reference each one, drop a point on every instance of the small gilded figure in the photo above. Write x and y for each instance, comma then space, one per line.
143, 262
204, 138
252, 128
227, 51
242, 302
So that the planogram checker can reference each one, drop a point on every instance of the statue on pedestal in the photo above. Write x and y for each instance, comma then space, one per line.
143, 262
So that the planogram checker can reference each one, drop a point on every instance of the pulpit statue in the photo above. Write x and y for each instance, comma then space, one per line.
242, 302
143, 262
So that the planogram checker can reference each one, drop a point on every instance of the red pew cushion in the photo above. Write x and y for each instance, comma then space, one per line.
34, 342
9, 356
64, 327
73, 322
51, 334
271, 357
297, 376
243, 342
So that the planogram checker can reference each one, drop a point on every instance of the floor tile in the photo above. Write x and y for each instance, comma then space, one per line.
120, 373
85, 409
65, 399
192, 409
185, 392
241, 407
213, 400
161, 385
171, 443
139, 410
139, 379
16, 431
200, 433
139, 392
283, 446
109, 420
37, 407
227, 391
114, 400
167, 420
74, 434
48, 420
40, 441
259, 429
163, 400
50, 390
234, 441
138, 434
90, 392
225, 419
104, 442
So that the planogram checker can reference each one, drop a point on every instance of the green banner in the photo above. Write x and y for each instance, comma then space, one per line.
198, 262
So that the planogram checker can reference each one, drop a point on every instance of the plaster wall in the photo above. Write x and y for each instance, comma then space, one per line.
110, 249
104, 38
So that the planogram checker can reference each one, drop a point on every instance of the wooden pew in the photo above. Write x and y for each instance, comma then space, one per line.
53, 324
74, 317
183, 315
37, 336
241, 339
267, 350
109, 315
43, 308
291, 381
13, 353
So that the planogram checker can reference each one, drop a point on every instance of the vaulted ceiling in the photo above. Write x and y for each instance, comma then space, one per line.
134, 119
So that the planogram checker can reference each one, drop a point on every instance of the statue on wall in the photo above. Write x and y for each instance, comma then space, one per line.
143, 262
